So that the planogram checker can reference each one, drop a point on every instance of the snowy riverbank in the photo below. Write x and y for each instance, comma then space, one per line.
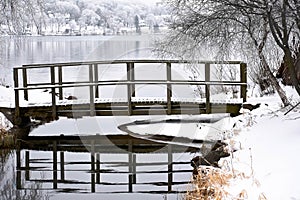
268, 147
265, 144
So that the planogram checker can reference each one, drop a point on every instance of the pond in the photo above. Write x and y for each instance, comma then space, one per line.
98, 169
19, 50
38, 173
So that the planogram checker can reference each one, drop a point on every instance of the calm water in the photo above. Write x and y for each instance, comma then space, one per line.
16, 51
70, 175
38, 182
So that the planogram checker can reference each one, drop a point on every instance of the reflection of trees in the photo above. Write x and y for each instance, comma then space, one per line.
8, 182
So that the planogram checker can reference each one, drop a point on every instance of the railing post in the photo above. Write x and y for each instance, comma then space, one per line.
98, 177
24, 72
27, 167
243, 74
17, 97
96, 79
207, 87
62, 166
169, 89
60, 80
134, 168
170, 168
129, 88
18, 160
93, 184
130, 166
92, 100
54, 164
53, 94
132, 77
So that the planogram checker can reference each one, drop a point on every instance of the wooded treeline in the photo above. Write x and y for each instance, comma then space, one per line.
18, 17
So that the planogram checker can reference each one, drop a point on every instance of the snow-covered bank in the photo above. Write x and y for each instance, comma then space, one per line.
267, 153
264, 145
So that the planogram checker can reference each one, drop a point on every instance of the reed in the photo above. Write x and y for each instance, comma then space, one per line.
209, 184
218, 184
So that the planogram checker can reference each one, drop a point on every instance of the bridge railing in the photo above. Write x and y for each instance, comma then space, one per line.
57, 84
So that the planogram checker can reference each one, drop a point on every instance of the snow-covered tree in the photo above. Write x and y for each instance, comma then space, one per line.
20, 14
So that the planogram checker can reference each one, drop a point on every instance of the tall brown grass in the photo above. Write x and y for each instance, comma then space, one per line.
215, 184
209, 184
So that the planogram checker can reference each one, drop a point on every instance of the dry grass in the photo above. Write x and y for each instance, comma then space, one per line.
6, 140
209, 184
216, 184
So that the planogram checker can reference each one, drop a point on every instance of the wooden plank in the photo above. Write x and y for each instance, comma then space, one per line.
130, 166
134, 169
27, 172
243, 75
62, 166
170, 167
98, 176
55, 165
132, 79
53, 94
17, 97
24, 74
207, 88
70, 64
93, 183
169, 89
60, 82
91, 90
96, 80
122, 82
129, 89
18, 154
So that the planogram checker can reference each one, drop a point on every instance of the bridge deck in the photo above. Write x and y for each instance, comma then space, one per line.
134, 101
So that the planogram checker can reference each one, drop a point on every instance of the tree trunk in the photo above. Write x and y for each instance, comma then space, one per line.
288, 60
274, 81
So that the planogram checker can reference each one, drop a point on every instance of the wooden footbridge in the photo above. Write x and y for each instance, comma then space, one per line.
95, 105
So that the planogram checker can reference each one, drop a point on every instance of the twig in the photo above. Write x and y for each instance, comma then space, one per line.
292, 108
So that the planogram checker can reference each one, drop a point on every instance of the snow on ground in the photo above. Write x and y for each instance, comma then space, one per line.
266, 143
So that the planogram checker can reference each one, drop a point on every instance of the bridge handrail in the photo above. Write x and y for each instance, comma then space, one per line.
139, 82
70, 64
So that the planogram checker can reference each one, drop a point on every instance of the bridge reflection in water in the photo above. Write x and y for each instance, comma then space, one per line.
104, 164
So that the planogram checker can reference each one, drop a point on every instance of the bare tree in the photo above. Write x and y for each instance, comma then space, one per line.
229, 27
284, 22
19, 14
